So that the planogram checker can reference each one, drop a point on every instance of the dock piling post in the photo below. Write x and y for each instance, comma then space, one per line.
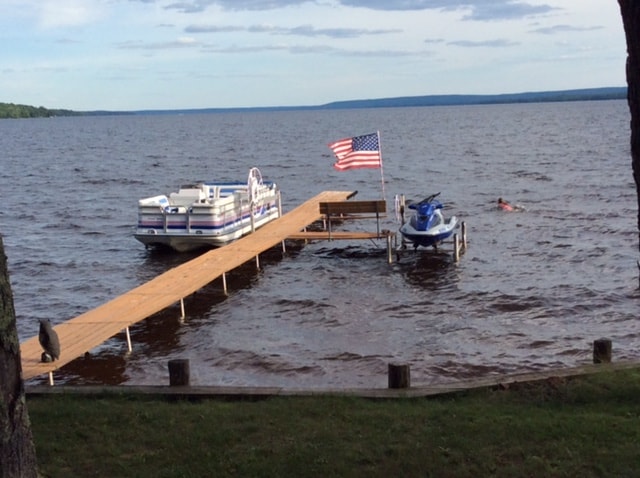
602, 351
51, 379
179, 374
399, 376
224, 283
182, 309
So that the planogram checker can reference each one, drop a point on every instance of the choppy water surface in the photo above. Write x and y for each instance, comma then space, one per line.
532, 292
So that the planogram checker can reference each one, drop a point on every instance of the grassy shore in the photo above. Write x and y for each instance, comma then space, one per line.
582, 427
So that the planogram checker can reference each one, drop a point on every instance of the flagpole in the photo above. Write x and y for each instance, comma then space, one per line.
381, 169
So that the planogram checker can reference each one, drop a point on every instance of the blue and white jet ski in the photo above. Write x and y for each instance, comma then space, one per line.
427, 226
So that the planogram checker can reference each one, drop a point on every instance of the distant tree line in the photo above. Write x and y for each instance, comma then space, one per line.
10, 110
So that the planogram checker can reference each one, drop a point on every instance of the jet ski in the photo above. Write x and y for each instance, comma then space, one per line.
427, 226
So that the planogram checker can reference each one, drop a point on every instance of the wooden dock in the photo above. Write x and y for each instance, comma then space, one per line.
90, 329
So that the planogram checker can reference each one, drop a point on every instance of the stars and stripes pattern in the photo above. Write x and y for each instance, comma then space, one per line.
357, 152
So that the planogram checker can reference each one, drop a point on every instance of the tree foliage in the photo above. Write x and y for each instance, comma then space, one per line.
11, 110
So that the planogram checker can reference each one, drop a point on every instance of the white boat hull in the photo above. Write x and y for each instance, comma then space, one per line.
430, 237
192, 239
206, 215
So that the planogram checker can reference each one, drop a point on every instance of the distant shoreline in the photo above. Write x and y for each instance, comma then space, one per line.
589, 94
9, 110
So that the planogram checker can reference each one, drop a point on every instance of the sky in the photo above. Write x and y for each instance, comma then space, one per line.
126, 55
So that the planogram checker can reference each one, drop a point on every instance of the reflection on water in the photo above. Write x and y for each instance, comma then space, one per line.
428, 269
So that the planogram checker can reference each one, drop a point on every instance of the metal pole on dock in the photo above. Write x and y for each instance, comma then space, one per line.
456, 248
251, 206
464, 235
279, 202
403, 204
129, 348
460, 244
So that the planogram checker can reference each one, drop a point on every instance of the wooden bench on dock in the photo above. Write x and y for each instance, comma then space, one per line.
333, 211
353, 210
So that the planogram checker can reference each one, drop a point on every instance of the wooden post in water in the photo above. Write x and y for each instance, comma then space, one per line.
602, 351
399, 376
179, 372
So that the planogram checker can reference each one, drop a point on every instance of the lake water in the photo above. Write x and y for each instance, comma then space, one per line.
532, 292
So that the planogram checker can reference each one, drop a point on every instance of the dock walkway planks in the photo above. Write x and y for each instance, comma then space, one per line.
92, 328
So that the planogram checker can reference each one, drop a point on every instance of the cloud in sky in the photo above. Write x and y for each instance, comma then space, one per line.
141, 54
555, 29
183, 42
499, 42
301, 30
478, 10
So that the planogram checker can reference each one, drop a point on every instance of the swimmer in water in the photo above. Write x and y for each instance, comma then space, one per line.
504, 205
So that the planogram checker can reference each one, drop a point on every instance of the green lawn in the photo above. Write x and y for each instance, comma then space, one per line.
583, 427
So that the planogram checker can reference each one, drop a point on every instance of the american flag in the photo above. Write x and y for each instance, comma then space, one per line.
357, 152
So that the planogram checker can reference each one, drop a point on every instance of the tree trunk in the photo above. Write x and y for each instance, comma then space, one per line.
17, 452
630, 10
